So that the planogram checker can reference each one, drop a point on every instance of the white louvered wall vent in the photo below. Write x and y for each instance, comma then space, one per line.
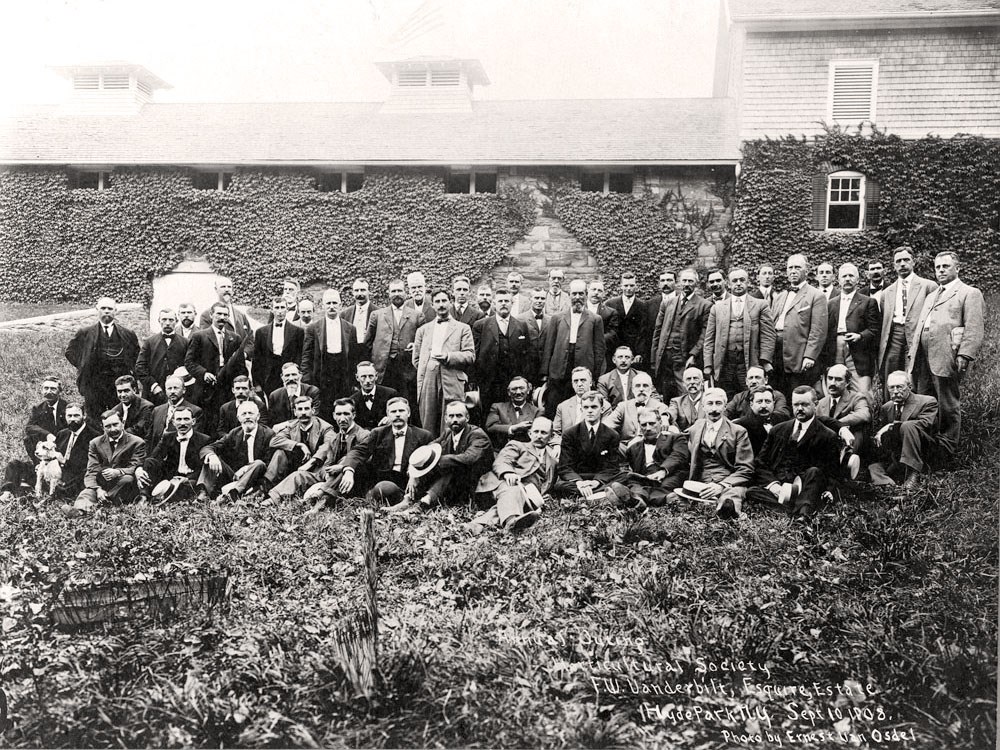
411, 78
144, 88
115, 81
88, 82
852, 91
445, 78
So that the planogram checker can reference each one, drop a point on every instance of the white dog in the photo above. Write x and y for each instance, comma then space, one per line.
49, 469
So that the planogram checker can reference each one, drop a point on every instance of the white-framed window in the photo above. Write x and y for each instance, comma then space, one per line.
844, 201
852, 91
605, 182
460, 181
90, 179
340, 182
211, 180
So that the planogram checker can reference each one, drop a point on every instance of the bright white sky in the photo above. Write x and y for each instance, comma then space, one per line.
308, 50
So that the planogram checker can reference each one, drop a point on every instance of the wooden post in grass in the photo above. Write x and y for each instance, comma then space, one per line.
355, 638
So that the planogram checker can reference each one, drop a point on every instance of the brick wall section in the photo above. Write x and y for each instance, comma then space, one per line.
944, 81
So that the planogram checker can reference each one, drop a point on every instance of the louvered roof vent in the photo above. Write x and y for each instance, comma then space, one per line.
110, 88
439, 84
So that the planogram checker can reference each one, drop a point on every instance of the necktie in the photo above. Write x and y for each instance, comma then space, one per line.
517, 413
166, 340
593, 434
250, 448
219, 338
797, 432
170, 416
70, 444
899, 412
398, 434
114, 446
107, 330
833, 407
278, 325
903, 283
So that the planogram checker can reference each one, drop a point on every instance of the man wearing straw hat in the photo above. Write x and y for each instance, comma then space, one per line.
175, 388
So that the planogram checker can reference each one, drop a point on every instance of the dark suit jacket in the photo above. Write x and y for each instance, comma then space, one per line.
314, 354
781, 459
756, 293
472, 458
536, 337
280, 409
758, 334
82, 354
159, 427
580, 458
589, 348
469, 315
635, 328
231, 448
486, 335
689, 321
863, 317
127, 456
75, 465
609, 385
378, 449
754, 426
369, 418
739, 407
609, 317
500, 419
140, 417
266, 366
349, 314
917, 408
202, 357
670, 454
156, 360
427, 310
238, 323
227, 416
42, 423
162, 463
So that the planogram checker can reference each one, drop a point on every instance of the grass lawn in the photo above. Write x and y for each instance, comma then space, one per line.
18, 310
595, 628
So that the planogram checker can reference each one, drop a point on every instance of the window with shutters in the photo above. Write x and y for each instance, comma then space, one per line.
852, 91
844, 201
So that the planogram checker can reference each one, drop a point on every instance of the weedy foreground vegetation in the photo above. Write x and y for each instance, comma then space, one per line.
595, 628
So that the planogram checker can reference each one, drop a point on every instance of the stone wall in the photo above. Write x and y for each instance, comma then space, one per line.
131, 315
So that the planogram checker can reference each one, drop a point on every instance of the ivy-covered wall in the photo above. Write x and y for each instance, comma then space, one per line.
74, 245
934, 194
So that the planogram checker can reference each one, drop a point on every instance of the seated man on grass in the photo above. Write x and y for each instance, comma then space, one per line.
624, 418
45, 421
511, 419
908, 434
721, 459
466, 454
522, 476
588, 458
657, 464
321, 476
176, 457
798, 460
241, 456
687, 409
112, 460
616, 386
308, 433
384, 457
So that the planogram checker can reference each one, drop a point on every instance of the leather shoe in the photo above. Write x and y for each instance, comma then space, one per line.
403, 506
912, 481
523, 521
727, 510
473, 528
202, 496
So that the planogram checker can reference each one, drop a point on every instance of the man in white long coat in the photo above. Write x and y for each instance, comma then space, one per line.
442, 351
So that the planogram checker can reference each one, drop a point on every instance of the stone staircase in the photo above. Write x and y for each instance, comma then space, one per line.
548, 245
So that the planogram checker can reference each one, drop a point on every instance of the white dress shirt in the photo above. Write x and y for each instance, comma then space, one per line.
360, 321
250, 438
399, 442
182, 467
333, 343
440, 334
845, 304
899, 311
739, 304
278, 338
574, 325
789, 301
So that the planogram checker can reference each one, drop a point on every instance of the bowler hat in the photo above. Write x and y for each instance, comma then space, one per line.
424, 459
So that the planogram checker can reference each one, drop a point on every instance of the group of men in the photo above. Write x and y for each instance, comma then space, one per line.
741, 393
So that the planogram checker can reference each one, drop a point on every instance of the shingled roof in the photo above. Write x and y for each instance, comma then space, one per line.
618, 131
770, 10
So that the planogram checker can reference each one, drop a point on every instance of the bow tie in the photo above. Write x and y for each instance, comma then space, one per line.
278, 325
539, 316
399, 433
650, 441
